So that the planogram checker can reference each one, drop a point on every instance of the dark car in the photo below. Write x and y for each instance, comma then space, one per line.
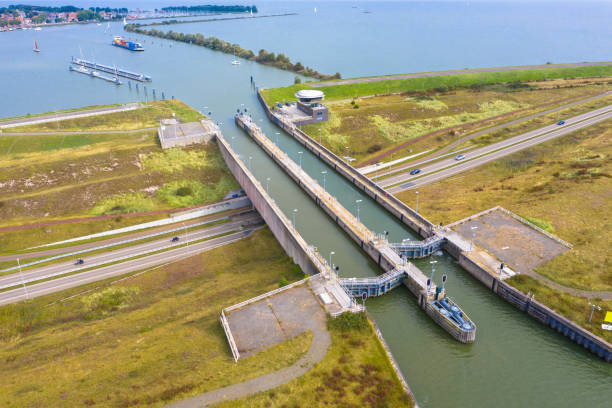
414, 171
175, 239
561, 122
79, 262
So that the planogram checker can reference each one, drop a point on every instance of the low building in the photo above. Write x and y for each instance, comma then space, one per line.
308, 108
172, 133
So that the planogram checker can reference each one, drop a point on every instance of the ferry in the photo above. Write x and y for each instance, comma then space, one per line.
119, 41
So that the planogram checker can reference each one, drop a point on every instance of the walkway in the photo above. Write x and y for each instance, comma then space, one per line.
82, 132
321, 340
69, 115
456, 72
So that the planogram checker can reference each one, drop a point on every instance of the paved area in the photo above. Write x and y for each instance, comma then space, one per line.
455, 72
528, 248
69, 115
273, 320
282, 316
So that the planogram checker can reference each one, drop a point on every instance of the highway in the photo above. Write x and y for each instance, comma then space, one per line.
62, 268
449, 166
43, 288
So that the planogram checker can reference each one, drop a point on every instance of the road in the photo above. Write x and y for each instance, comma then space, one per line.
455, 72
66, 282
62, 268
449, 166
470, 136
69, 115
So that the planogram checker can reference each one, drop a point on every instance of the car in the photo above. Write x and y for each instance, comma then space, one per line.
460, 157
561, 122
79, 261
414, 171
175, 239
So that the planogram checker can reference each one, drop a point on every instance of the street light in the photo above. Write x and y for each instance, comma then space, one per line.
417, 202
250, 159
358, 201
433, 269
501, 267
277, 133
300, 155
22, 281
347, 154
593, 307
320, 137
473, 235
268, 185
330, 264
295, 210
324, 172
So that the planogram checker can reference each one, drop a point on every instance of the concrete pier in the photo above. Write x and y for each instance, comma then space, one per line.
378, 249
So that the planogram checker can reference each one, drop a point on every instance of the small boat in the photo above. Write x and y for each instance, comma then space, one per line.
235, 61
37, 29
99, 24
36, 49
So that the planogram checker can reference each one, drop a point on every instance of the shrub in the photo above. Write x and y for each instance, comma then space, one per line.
184, 191
283, 282
297, 80
348, 321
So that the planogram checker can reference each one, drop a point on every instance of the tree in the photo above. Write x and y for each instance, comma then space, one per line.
85, 15
297, 80
298, 66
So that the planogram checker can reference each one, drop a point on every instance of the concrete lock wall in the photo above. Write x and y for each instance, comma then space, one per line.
405, 214
292, 243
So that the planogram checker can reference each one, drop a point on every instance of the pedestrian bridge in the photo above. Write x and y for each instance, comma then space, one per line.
419, 249
374, 286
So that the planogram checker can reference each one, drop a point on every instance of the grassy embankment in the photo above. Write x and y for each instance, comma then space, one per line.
377, 125
354, 373
54, 177
146, 340
564, 186
156, 338
33, 115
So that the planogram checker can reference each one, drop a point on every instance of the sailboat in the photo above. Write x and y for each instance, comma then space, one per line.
235, 61
36, 49
124, 22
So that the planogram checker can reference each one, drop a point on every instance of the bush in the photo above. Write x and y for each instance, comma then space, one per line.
348, 321
297, 80
283, 282
374, 148
184, 191
355, 106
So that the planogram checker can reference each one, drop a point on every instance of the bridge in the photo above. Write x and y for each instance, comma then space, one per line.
388, 257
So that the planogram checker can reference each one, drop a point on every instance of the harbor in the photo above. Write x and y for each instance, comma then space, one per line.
111, 70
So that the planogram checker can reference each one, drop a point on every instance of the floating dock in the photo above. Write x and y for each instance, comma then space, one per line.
112, 70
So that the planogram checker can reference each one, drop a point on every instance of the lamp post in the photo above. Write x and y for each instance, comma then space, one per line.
358, 201
324, 172
320, 137
417, 202
250, 160
347, 155
501, 267
295, 210
433, 269
277, 133
22, 281
268, 185
593, 307
473, 235
300, 156
331, 268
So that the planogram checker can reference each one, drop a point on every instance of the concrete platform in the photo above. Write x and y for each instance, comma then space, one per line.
172, 133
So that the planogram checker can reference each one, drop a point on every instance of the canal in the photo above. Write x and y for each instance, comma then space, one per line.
514, 362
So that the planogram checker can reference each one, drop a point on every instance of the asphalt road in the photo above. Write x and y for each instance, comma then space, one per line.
470, 136
43, 288
449, 166
62, 268
454, 72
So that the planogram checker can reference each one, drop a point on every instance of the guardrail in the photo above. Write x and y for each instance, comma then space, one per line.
230, 337
127, 241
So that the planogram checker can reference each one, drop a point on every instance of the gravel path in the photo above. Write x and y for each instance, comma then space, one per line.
321, 340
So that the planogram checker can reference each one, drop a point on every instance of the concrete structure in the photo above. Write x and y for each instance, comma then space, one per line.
172, 134
378, 249
453, 244
308, 108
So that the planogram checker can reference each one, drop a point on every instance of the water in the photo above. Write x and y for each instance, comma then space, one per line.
515, 360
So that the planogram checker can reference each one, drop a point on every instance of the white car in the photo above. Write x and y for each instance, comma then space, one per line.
460, 157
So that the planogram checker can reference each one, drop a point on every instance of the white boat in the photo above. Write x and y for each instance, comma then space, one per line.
37, 29
235, 61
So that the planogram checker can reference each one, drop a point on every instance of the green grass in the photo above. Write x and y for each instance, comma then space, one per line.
147, 340
57, 111
186, 193
564, 182
545, 225
349, 91
355, 373
574, 308
384, 123
146, 117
